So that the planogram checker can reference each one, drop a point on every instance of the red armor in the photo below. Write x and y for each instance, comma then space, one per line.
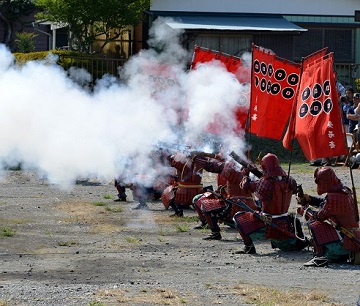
210, 203
326, 180
247, 223
168, 195
339, 207
323, 233
275, 195
189, 179
271, 166
274, 190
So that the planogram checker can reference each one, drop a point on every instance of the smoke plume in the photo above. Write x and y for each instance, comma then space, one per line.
52, 123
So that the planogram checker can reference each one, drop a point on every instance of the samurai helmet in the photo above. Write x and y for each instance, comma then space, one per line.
271, 166
326, 180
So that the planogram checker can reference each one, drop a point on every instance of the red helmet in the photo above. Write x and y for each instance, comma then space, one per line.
326, 180
271, 166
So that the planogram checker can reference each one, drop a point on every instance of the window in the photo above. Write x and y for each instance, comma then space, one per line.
233, 45
340, 41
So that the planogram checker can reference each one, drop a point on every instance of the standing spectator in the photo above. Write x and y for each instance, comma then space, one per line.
351, 115
340, 89
346, 104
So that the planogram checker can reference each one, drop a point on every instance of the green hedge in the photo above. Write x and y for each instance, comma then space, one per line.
92, 63
22, 58
263, 146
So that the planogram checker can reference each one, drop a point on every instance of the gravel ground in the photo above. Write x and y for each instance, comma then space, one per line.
79, 247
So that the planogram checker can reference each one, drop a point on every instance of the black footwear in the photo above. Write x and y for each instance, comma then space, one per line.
315, 162
122, 199
301, 244
213, 236
248, 249
141, 206
201, 226
317, 262
178, 215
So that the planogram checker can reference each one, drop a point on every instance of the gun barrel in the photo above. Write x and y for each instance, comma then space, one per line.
245, 164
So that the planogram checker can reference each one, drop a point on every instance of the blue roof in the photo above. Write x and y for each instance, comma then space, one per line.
232, 23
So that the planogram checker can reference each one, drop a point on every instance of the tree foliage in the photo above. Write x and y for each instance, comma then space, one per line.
11, 12
25, 42
87, 20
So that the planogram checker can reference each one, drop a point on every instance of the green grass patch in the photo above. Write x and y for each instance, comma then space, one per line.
182, 228
187, 219
163, 232
182, 300
108, 196
205, 229
7, 232
96, 303
67, 243
115, 209
99, 203
14, 221
133, 239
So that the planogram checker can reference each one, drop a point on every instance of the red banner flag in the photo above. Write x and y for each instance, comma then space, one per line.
318, 126
273, 87
241, 73
290, 132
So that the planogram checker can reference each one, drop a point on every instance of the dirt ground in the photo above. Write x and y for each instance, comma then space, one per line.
79, 247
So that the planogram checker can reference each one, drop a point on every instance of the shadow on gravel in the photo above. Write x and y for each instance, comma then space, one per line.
87, 183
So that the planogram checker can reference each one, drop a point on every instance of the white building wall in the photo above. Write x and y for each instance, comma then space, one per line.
283, 7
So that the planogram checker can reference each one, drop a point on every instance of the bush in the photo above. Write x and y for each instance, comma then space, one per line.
25, 41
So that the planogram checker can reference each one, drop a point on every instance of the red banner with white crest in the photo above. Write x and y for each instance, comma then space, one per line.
290, 132
273, 88
318, 126
242, 74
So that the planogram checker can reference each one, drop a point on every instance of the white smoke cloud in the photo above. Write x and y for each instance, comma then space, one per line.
51, 122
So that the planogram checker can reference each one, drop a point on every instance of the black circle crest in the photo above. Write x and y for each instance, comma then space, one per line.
303, 111
288, 92
326, 88
293, 79
315, 108
328, 105
256, 66
305, 94
263, 68
280, 74
317, 91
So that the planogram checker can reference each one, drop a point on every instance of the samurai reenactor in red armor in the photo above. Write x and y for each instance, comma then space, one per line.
335, 212
151, 185
274, 190
121, 189
188, 184
211, 208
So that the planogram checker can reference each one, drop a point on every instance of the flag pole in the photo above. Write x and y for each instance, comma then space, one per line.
354, 193
248, 119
